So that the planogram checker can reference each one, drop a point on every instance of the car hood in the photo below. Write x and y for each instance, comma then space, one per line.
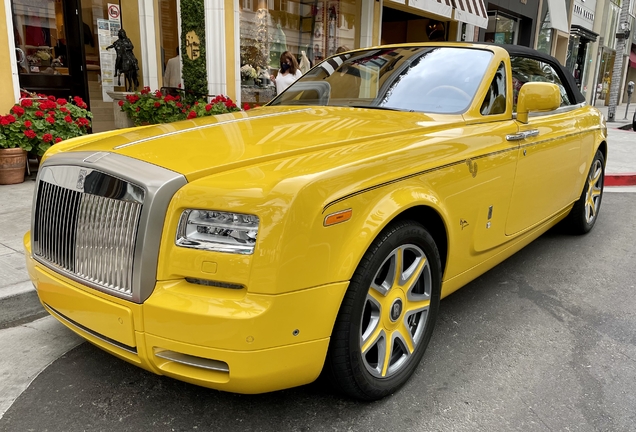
200, 147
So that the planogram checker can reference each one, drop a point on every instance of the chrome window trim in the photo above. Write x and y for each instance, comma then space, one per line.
559, 110
159, 186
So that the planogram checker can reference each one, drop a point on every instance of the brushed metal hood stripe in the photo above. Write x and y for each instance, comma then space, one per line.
167, 134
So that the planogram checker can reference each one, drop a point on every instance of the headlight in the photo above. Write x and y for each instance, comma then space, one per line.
218, 231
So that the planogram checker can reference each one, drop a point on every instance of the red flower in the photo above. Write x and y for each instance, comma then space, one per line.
157, 104
57, 140
52, 98
177, 97
28, 124
230, 104
121, 103
208, 107
61, 102
132, 98
47, 137
196, 103
4, 121
78, 101
179, 85
82, 121
158, 93
68, 119
145, 90
83, 105
17, 110
64, 110
169, 98
50, 120
179, 104
39, 114
246, 106
52, 113
10, 118
192, 115
138, 109
26, 102
30, 134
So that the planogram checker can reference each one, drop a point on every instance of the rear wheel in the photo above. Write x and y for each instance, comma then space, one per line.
584, 213
388, 313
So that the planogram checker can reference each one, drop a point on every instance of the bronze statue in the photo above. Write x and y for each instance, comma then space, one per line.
126, 62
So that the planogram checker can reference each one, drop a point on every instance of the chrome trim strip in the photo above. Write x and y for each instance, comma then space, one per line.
189, 360
93, 333
158, 185
196, 128
523, 135
559, 110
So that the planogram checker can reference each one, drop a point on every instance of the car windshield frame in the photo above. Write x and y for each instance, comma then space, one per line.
427, 79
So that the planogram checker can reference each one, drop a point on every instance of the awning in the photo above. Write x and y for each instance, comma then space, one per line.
471, 12
583, 33
558, 16
632, 59
438, 7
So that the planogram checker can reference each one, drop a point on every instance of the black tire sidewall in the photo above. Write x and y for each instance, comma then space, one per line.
579, 223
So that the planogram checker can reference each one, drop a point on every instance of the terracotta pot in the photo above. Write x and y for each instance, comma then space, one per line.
12, 165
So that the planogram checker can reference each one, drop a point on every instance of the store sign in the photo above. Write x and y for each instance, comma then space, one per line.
114, 14
192, 45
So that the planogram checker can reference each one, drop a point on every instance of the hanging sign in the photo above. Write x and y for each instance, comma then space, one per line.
114, 14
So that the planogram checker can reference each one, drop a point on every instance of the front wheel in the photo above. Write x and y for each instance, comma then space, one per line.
584, 213
387, 316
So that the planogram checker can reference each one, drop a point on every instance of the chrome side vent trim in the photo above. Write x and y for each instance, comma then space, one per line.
189, 360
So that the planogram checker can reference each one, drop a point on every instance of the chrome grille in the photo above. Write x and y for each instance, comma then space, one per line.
91, 237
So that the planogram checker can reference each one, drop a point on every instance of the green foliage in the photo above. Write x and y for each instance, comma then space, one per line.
194, 72
40, 121
146, 107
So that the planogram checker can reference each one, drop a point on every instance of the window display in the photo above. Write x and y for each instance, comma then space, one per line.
310, 31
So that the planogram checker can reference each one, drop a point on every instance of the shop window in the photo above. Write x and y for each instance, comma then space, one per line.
495, 100
39, 37
502, 28
531, 70
310, 31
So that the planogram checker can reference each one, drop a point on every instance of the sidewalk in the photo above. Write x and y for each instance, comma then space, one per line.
621, 166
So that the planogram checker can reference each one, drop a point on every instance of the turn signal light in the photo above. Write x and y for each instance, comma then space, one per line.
336, 218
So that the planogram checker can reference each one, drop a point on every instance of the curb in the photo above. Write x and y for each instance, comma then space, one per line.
626, 179
20, 308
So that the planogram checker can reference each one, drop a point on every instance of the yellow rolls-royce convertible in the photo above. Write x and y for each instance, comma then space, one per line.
253, 251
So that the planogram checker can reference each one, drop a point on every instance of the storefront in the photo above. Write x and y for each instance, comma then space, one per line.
579, 61
510, 22
59, 47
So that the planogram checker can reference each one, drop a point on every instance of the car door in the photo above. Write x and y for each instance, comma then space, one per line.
549, 152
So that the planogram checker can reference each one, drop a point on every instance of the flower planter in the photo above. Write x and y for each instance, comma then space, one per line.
12, 165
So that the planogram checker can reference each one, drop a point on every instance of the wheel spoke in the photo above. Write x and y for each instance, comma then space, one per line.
386, 359
404, 333
415, 321
384, 279
371, 334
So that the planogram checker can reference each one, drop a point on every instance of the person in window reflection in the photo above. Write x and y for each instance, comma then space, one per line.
288, 72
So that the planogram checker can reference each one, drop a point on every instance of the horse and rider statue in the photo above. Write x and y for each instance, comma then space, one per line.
126, 62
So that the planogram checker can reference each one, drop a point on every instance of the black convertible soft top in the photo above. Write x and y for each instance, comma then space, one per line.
567, 79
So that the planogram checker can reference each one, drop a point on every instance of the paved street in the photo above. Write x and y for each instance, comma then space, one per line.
545, 341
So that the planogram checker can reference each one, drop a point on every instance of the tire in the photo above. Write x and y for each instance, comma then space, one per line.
584, 213
382, 305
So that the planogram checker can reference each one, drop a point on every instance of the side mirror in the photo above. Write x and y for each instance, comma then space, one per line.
537, 96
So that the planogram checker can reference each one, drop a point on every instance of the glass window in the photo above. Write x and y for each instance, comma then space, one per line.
495, 101
427, 79
309, 31
502, 29
531, 70
39, 37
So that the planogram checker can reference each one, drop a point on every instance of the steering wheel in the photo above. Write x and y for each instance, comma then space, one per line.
445, 91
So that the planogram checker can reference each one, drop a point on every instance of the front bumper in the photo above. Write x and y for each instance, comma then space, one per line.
225, 339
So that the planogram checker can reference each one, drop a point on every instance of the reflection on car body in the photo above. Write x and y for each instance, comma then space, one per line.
288, 241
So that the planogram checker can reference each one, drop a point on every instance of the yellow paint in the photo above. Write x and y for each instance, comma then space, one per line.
294, 166
130, 23
230, 58
7, 97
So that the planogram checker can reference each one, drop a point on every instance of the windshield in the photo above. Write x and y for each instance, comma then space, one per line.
427, 79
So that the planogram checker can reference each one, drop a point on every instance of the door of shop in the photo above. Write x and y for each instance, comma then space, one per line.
49, 47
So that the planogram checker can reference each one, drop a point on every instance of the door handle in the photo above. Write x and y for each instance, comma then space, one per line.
522, 135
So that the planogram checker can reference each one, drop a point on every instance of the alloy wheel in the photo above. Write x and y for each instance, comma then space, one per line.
395, 311
594, 191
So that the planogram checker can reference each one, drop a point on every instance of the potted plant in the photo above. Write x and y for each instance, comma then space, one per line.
248, 74
34, 124
146, 107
